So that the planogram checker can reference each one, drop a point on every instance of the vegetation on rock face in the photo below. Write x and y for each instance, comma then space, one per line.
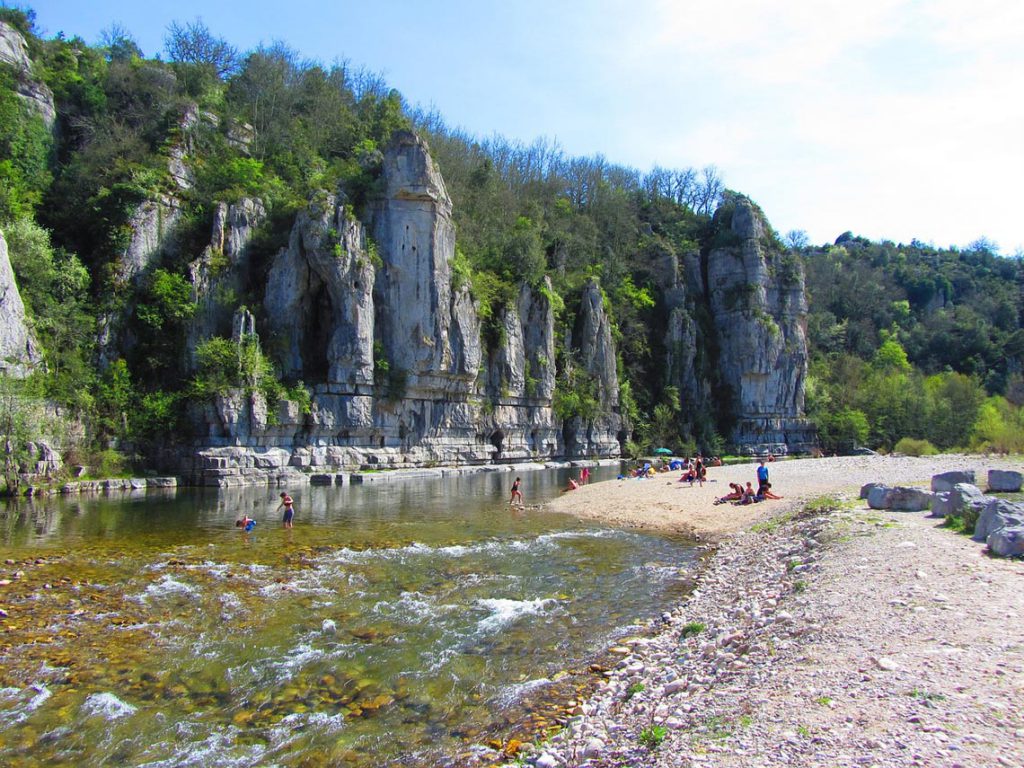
907, 341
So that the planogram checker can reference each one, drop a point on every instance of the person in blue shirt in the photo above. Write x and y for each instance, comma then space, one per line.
246, 523
762, 475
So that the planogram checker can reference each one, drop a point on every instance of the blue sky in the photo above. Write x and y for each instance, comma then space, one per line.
896, 119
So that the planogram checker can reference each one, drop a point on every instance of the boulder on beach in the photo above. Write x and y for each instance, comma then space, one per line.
998, 514
1004, 480
900, 498
865, 490
877, 495
1007, 542
946, 480
963, 495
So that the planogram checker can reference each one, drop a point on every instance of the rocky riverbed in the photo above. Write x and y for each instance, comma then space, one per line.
835, 636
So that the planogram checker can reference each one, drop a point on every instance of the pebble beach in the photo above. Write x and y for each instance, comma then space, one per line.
828, 635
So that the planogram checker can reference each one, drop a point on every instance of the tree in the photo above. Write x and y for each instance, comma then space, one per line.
843, 430
193, 43
20, 419
796, 239
120, 44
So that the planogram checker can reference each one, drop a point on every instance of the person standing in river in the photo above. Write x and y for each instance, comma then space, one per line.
289, 509
517, 495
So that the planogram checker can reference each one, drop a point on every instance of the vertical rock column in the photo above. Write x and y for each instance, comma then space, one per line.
593, 347
427, 330
19, 353
760, 310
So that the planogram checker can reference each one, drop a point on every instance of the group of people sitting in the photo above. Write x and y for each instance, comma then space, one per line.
740, 495
694, 471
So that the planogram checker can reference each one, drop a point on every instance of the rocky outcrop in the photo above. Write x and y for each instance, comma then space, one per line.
220, 275
19, 353
150, 224
521, 380
681, 292
32, 91
758, 302
392, 350
435, 339
319, 299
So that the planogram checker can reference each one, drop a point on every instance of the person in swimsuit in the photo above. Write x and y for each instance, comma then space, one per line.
516, 494
246, 523
289, 510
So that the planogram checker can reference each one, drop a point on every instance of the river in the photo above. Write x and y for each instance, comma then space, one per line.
398, 623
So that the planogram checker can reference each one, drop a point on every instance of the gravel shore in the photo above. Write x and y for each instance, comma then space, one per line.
837, 636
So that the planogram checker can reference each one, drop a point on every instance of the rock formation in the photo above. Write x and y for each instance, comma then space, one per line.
219, 276
435, 338
758, 302
34, 92
19, 353
392, 350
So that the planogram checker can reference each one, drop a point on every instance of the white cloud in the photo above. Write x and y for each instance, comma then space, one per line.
895, 118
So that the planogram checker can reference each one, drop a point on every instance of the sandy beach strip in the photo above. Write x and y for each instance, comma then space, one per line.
663, 504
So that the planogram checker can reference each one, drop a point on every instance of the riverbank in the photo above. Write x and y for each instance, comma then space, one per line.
838, 636
663, 504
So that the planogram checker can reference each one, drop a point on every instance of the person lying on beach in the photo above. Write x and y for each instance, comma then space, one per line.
766, 491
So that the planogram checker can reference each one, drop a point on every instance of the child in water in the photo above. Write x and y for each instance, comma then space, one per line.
246, 523
289, 510
517, 495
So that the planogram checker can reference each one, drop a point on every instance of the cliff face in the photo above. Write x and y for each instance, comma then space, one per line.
366, 314
758, 302
435, 337
392, 350
33, 92
19, 353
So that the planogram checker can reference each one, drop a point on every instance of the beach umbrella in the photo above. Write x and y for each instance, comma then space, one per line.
663, 451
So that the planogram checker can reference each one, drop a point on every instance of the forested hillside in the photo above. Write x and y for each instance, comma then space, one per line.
906, 341
915, 341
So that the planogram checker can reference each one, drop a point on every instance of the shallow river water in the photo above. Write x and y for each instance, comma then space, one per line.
151, 631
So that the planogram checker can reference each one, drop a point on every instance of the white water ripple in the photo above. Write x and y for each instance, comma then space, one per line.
107, 706
505, 612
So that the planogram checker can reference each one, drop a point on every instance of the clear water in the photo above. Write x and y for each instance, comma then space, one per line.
395, 624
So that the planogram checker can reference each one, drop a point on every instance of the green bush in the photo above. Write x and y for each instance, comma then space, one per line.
225, 365
110, 463
910, 446
652, 736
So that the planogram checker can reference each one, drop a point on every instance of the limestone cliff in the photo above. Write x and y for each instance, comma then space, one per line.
758, 302
19, 353
590, 346
32, 91
435, 338
393, 353
219, 276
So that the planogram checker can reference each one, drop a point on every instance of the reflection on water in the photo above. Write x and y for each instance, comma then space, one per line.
396, 624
